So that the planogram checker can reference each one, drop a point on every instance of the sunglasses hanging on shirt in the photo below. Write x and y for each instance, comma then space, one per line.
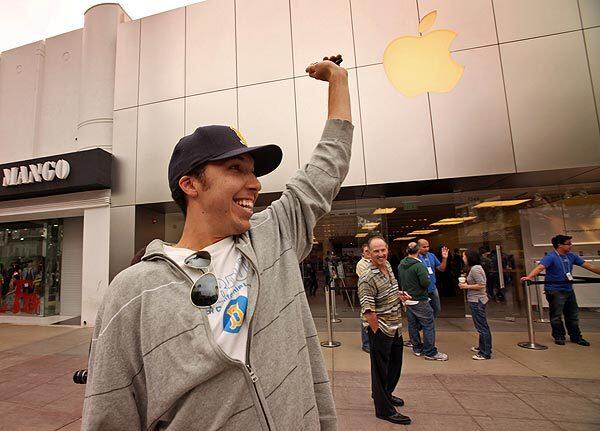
205, 291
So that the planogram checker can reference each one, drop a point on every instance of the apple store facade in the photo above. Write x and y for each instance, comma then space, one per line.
475, 127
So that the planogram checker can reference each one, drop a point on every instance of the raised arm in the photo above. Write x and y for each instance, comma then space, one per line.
338, 107
309, 193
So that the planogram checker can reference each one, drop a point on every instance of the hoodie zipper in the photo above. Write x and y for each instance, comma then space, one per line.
247, 366
253, 375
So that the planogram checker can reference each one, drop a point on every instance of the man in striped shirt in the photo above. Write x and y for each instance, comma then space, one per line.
380, 309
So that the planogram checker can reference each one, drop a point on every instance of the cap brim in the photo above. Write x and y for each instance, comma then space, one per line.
266, 157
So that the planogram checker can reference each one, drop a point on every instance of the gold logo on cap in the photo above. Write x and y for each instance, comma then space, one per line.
242, 139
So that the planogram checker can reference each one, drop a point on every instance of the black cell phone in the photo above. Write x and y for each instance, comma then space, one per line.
337, 59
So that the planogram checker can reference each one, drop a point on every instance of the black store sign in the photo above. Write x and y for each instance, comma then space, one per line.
64, 173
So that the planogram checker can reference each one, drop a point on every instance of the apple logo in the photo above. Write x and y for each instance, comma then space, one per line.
419, 64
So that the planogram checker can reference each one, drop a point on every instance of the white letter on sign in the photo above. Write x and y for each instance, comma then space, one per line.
48, 173
62, 169
35, 173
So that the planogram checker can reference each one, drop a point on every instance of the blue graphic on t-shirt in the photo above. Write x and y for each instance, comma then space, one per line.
233, 318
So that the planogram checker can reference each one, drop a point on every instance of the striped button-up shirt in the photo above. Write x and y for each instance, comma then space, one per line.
379, 294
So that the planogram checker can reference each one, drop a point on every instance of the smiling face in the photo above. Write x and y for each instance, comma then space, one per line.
223, 200
378, 250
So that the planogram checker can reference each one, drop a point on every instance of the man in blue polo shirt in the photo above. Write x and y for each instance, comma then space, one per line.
561, 297
432, 263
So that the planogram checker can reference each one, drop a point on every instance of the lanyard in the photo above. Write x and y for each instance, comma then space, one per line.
562, 262
426, 261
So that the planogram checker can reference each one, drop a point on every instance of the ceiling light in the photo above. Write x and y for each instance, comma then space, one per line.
452, 220
508, 203
360, 235
370, 226
384, 211
423, 232
404, 238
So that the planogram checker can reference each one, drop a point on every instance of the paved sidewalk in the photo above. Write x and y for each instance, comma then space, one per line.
555, 389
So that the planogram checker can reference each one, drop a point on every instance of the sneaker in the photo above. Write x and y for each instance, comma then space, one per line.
439, 356
479, 357
417, 353
474, 349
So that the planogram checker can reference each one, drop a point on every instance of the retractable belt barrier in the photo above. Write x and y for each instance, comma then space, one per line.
531, 344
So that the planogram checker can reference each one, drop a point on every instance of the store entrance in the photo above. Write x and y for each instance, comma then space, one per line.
30, 267
453, 220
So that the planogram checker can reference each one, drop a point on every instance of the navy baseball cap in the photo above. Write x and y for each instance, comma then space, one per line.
213, 143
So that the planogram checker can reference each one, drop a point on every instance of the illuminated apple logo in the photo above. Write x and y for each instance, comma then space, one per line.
417, 64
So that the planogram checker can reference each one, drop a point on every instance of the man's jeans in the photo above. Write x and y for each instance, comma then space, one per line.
420, 317
480, 321
435, 303
364, 336
562, 302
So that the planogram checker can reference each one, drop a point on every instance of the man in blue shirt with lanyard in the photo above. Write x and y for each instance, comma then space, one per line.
432, 263
560, 296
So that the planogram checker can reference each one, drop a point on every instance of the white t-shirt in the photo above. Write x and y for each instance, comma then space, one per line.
227, 318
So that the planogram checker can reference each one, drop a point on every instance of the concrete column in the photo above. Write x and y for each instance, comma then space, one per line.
95, 261
122, 238
96, 95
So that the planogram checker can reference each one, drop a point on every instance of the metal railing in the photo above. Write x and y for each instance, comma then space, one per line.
531, 344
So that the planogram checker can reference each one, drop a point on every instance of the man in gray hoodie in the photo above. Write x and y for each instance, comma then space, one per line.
215, 332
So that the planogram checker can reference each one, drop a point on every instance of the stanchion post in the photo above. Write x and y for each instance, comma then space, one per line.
334, 316
531, 344
538, 291
329, 342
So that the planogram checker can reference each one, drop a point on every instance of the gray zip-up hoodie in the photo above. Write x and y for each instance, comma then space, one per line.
154, 363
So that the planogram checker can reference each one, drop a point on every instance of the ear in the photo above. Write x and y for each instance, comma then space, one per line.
189, 186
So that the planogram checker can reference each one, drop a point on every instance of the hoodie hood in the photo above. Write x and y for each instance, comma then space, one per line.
408, 261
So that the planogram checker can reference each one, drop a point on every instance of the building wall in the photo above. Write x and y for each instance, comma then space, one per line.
525, 101
39, 98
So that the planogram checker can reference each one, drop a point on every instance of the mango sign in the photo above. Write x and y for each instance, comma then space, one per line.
419, 64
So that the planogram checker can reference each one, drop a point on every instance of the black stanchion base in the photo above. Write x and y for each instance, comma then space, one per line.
331, 343
532, 346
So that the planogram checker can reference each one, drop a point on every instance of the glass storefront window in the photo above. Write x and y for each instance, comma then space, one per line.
510, 228
30, 267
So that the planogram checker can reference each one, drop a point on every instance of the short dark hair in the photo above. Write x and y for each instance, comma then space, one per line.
364, 244
179, 196
473, 257
560, 239
376, 237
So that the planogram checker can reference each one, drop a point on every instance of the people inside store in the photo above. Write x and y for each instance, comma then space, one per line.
215, 331
380, 310
21, 287
562, 301
432, 264
475, 284
415, 280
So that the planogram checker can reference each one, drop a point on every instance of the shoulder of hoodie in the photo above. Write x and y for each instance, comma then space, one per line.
135, 279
